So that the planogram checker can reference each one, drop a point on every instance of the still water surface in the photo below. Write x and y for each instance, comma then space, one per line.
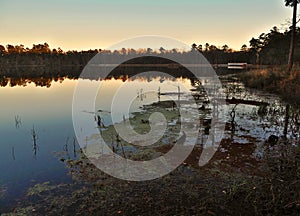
48, 111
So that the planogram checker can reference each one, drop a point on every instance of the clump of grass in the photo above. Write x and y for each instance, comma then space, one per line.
279, 191
275, 80
275, 193
267, 79
144, 155
290, 89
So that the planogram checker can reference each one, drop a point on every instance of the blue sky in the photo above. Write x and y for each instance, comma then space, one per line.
74, 24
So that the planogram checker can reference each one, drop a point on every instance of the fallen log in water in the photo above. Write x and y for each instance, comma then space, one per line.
247, 102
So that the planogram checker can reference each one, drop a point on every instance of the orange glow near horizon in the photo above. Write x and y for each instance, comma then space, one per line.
84, 25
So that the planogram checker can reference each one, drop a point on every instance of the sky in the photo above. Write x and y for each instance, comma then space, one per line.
95, 24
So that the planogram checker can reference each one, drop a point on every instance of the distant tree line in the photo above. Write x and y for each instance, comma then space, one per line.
268, 49
41, 61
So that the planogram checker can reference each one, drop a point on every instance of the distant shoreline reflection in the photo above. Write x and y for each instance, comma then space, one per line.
47, 82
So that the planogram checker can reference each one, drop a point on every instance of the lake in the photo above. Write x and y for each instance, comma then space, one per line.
36, 127
48, 111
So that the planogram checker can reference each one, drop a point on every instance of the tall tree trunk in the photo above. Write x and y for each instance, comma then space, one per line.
292, 45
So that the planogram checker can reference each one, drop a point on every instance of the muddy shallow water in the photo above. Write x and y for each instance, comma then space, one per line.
251, 118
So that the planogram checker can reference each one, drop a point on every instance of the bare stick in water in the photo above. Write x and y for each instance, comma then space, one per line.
119, 143
18, 121
74, 147
66, 149
34, 138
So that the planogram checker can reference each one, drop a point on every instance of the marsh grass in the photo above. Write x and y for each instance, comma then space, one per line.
275, 80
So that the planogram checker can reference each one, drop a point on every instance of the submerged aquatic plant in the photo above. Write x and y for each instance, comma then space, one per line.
38, 189
3, 190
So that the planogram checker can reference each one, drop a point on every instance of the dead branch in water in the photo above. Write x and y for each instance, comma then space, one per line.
18, 121
34, 138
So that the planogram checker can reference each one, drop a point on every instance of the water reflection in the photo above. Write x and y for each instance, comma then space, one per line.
21, 81
66, 148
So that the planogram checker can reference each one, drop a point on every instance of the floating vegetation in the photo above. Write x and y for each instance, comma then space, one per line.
144, 155
140, 124
38, 189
